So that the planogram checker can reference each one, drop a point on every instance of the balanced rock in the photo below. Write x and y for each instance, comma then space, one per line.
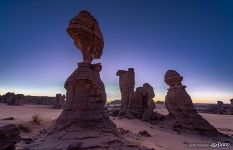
180, 107
127, 83
83, 124
85, 31
60, 102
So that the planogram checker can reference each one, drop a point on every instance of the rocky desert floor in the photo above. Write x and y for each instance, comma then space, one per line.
161, 138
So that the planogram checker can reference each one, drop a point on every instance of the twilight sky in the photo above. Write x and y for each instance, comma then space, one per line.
194, 37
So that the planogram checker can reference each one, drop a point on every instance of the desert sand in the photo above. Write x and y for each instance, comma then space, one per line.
161, 137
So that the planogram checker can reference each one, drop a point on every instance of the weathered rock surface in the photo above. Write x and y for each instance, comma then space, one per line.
137, 104
127, 83
83, 124
84, 30
9, 136
60, 101
85, 99
180, 107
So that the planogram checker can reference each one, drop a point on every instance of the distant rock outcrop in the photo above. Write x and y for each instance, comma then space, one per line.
231, 107
180, 107
60, 101
17, 100
220, 107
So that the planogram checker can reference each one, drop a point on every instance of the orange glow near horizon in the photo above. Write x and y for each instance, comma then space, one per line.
197, 96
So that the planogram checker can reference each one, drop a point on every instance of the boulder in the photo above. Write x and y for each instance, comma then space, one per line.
85, 31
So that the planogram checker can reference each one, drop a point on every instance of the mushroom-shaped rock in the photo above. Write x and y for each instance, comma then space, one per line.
180, 107
85, 31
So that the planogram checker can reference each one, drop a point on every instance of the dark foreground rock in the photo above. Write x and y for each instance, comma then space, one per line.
9, 136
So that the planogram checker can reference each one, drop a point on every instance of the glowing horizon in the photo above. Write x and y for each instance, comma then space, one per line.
197, 96
37, 55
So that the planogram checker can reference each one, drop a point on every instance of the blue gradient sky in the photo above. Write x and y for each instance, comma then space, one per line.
194, 37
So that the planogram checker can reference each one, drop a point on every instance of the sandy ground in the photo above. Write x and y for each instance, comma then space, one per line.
161, 138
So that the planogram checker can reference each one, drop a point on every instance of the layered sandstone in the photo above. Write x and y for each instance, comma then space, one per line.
126, 83
180, 107
138, 104
84, 124
84, 30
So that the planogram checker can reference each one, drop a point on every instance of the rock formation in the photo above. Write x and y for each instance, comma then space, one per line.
220, 107
9, 136
12, 99
231, 107
148, 102
60, 102
180, 107
16, 100
84, 30
8, 97
85, 99
137, 104
84, 124
127, 83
